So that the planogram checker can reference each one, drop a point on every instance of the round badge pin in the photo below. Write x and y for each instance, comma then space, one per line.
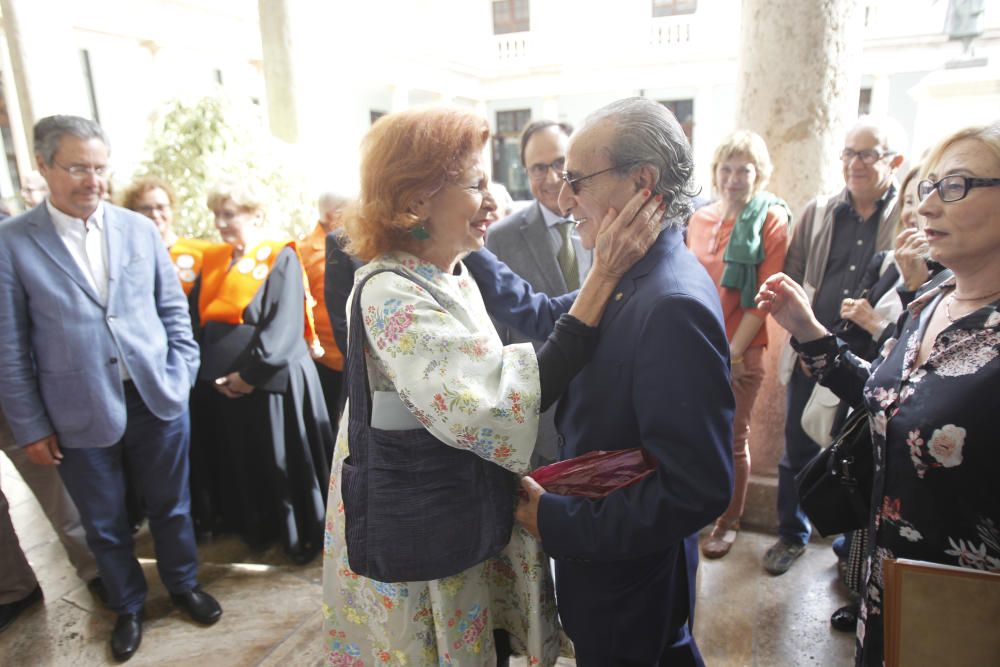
260, 271
245, 265
187, 275
185, 262
263, 253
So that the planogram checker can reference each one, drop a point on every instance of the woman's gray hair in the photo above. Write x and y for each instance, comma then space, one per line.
647, 133
49, 130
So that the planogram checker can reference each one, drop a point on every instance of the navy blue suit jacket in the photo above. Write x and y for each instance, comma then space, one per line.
659, 379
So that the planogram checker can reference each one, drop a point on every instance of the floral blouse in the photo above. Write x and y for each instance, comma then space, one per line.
430, 339
934, 428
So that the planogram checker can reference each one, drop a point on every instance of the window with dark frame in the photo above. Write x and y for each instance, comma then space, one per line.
507, 167
511, 16
865, 102
683, 111
674, 7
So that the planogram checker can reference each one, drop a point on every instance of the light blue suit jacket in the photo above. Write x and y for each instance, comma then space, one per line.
60, 348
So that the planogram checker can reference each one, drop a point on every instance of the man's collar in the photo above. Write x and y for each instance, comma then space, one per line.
666, 242
66, 220
880, 203
551, 218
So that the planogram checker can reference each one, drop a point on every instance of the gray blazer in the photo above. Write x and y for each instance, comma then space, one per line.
60, 348
522, 241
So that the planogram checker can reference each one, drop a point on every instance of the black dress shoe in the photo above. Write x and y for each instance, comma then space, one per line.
199, 605
845, 619
96, 587
126, 636
11, 610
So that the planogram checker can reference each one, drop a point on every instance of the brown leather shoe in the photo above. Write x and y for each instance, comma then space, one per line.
720, 540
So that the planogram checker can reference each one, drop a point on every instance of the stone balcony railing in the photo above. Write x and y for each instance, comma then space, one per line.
512, 46
672, 31
668, 32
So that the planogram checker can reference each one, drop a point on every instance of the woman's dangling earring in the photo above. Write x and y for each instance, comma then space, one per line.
419, 232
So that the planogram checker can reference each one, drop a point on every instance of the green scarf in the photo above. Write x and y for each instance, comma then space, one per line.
745, 250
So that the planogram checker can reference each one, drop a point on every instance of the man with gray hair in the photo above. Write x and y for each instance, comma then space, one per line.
832, 242
97, 357
659, 379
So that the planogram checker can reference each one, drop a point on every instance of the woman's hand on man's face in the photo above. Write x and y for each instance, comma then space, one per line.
626, 236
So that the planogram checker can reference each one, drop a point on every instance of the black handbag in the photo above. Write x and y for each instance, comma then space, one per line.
415, 508
835, 487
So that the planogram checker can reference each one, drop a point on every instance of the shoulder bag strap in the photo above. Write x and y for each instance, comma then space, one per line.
356, 374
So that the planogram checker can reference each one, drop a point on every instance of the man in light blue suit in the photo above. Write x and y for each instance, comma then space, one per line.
97, 359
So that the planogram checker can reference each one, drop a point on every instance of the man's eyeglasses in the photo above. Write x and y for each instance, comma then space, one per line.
540, 170
869, 156
954, 187
79, 172
150, 210
574, 181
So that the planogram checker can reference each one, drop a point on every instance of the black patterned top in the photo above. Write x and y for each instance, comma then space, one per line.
937, 454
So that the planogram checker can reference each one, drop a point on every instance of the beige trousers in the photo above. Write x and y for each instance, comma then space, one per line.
17, 579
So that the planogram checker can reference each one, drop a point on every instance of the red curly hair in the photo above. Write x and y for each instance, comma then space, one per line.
404, 157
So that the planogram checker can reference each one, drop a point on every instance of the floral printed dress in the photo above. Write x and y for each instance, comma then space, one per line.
937, 455
456, 377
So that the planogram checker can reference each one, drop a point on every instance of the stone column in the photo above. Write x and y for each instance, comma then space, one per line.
279, 68
800, 65
309, 62
19, 140
46, 68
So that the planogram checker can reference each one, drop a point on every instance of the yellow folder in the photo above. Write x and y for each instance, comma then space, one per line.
940, 615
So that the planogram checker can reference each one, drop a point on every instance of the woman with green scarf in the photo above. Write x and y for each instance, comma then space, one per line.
740, 238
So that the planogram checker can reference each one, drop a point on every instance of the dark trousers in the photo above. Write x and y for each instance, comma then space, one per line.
793, 525
155, 453
683, 652
333, 393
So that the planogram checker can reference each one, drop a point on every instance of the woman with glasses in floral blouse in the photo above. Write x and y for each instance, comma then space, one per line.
932, 395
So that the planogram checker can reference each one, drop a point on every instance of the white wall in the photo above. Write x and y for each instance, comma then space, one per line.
579, 55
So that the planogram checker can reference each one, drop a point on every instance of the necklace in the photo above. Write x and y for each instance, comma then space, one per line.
947, 309
974, 298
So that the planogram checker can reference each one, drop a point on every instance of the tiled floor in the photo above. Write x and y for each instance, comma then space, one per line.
272, 616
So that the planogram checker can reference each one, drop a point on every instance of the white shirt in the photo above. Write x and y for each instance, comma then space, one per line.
553, 219
88, 246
